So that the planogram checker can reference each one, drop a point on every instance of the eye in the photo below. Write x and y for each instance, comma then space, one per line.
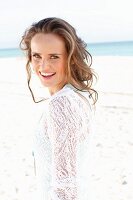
54, 57
36, 56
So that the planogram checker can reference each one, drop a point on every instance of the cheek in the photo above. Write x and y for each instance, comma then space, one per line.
61, 69
64, 68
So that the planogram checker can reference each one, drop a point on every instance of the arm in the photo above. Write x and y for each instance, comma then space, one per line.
65, 123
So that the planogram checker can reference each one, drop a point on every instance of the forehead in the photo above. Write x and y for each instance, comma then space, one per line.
44, 42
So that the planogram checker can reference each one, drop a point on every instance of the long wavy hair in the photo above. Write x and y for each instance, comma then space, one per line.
79, 59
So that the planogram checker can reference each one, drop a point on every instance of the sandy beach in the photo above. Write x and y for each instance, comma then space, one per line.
111, 145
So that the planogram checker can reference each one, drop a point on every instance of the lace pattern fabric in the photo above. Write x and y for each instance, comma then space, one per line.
66, 125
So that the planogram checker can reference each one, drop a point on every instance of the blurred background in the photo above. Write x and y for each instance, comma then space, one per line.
107, 28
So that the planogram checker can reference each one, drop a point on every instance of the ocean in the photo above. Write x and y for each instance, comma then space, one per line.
95, 49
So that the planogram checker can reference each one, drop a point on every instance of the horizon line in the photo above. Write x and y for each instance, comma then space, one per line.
90, 43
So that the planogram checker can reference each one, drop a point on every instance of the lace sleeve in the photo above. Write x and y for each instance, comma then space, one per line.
65, 122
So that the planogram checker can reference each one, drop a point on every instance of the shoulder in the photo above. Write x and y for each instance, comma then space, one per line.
68, 109
62, 100
70, 98
63, 112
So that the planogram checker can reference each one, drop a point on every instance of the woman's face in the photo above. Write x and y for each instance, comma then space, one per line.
49, 60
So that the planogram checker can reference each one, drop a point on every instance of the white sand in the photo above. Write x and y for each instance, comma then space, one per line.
111, 145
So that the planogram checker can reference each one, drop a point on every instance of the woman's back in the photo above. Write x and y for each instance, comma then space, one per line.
61, 144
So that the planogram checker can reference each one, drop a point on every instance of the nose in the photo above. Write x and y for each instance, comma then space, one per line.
44, 64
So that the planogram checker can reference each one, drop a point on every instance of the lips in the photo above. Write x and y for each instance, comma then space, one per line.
47, 75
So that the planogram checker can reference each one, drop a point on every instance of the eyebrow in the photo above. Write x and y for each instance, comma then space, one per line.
48, 54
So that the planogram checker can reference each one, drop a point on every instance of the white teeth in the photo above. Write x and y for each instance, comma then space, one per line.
46, 74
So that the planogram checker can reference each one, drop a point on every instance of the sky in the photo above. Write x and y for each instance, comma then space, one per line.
94, 20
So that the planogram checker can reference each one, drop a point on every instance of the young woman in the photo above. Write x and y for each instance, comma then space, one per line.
63, 65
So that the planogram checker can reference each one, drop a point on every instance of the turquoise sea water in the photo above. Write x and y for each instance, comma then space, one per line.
95, 49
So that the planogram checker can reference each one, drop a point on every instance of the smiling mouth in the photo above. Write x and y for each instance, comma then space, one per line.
47, 75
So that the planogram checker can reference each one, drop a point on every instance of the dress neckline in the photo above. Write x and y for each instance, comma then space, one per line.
65, 87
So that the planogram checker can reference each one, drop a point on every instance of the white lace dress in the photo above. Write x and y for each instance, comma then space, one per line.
61, 144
